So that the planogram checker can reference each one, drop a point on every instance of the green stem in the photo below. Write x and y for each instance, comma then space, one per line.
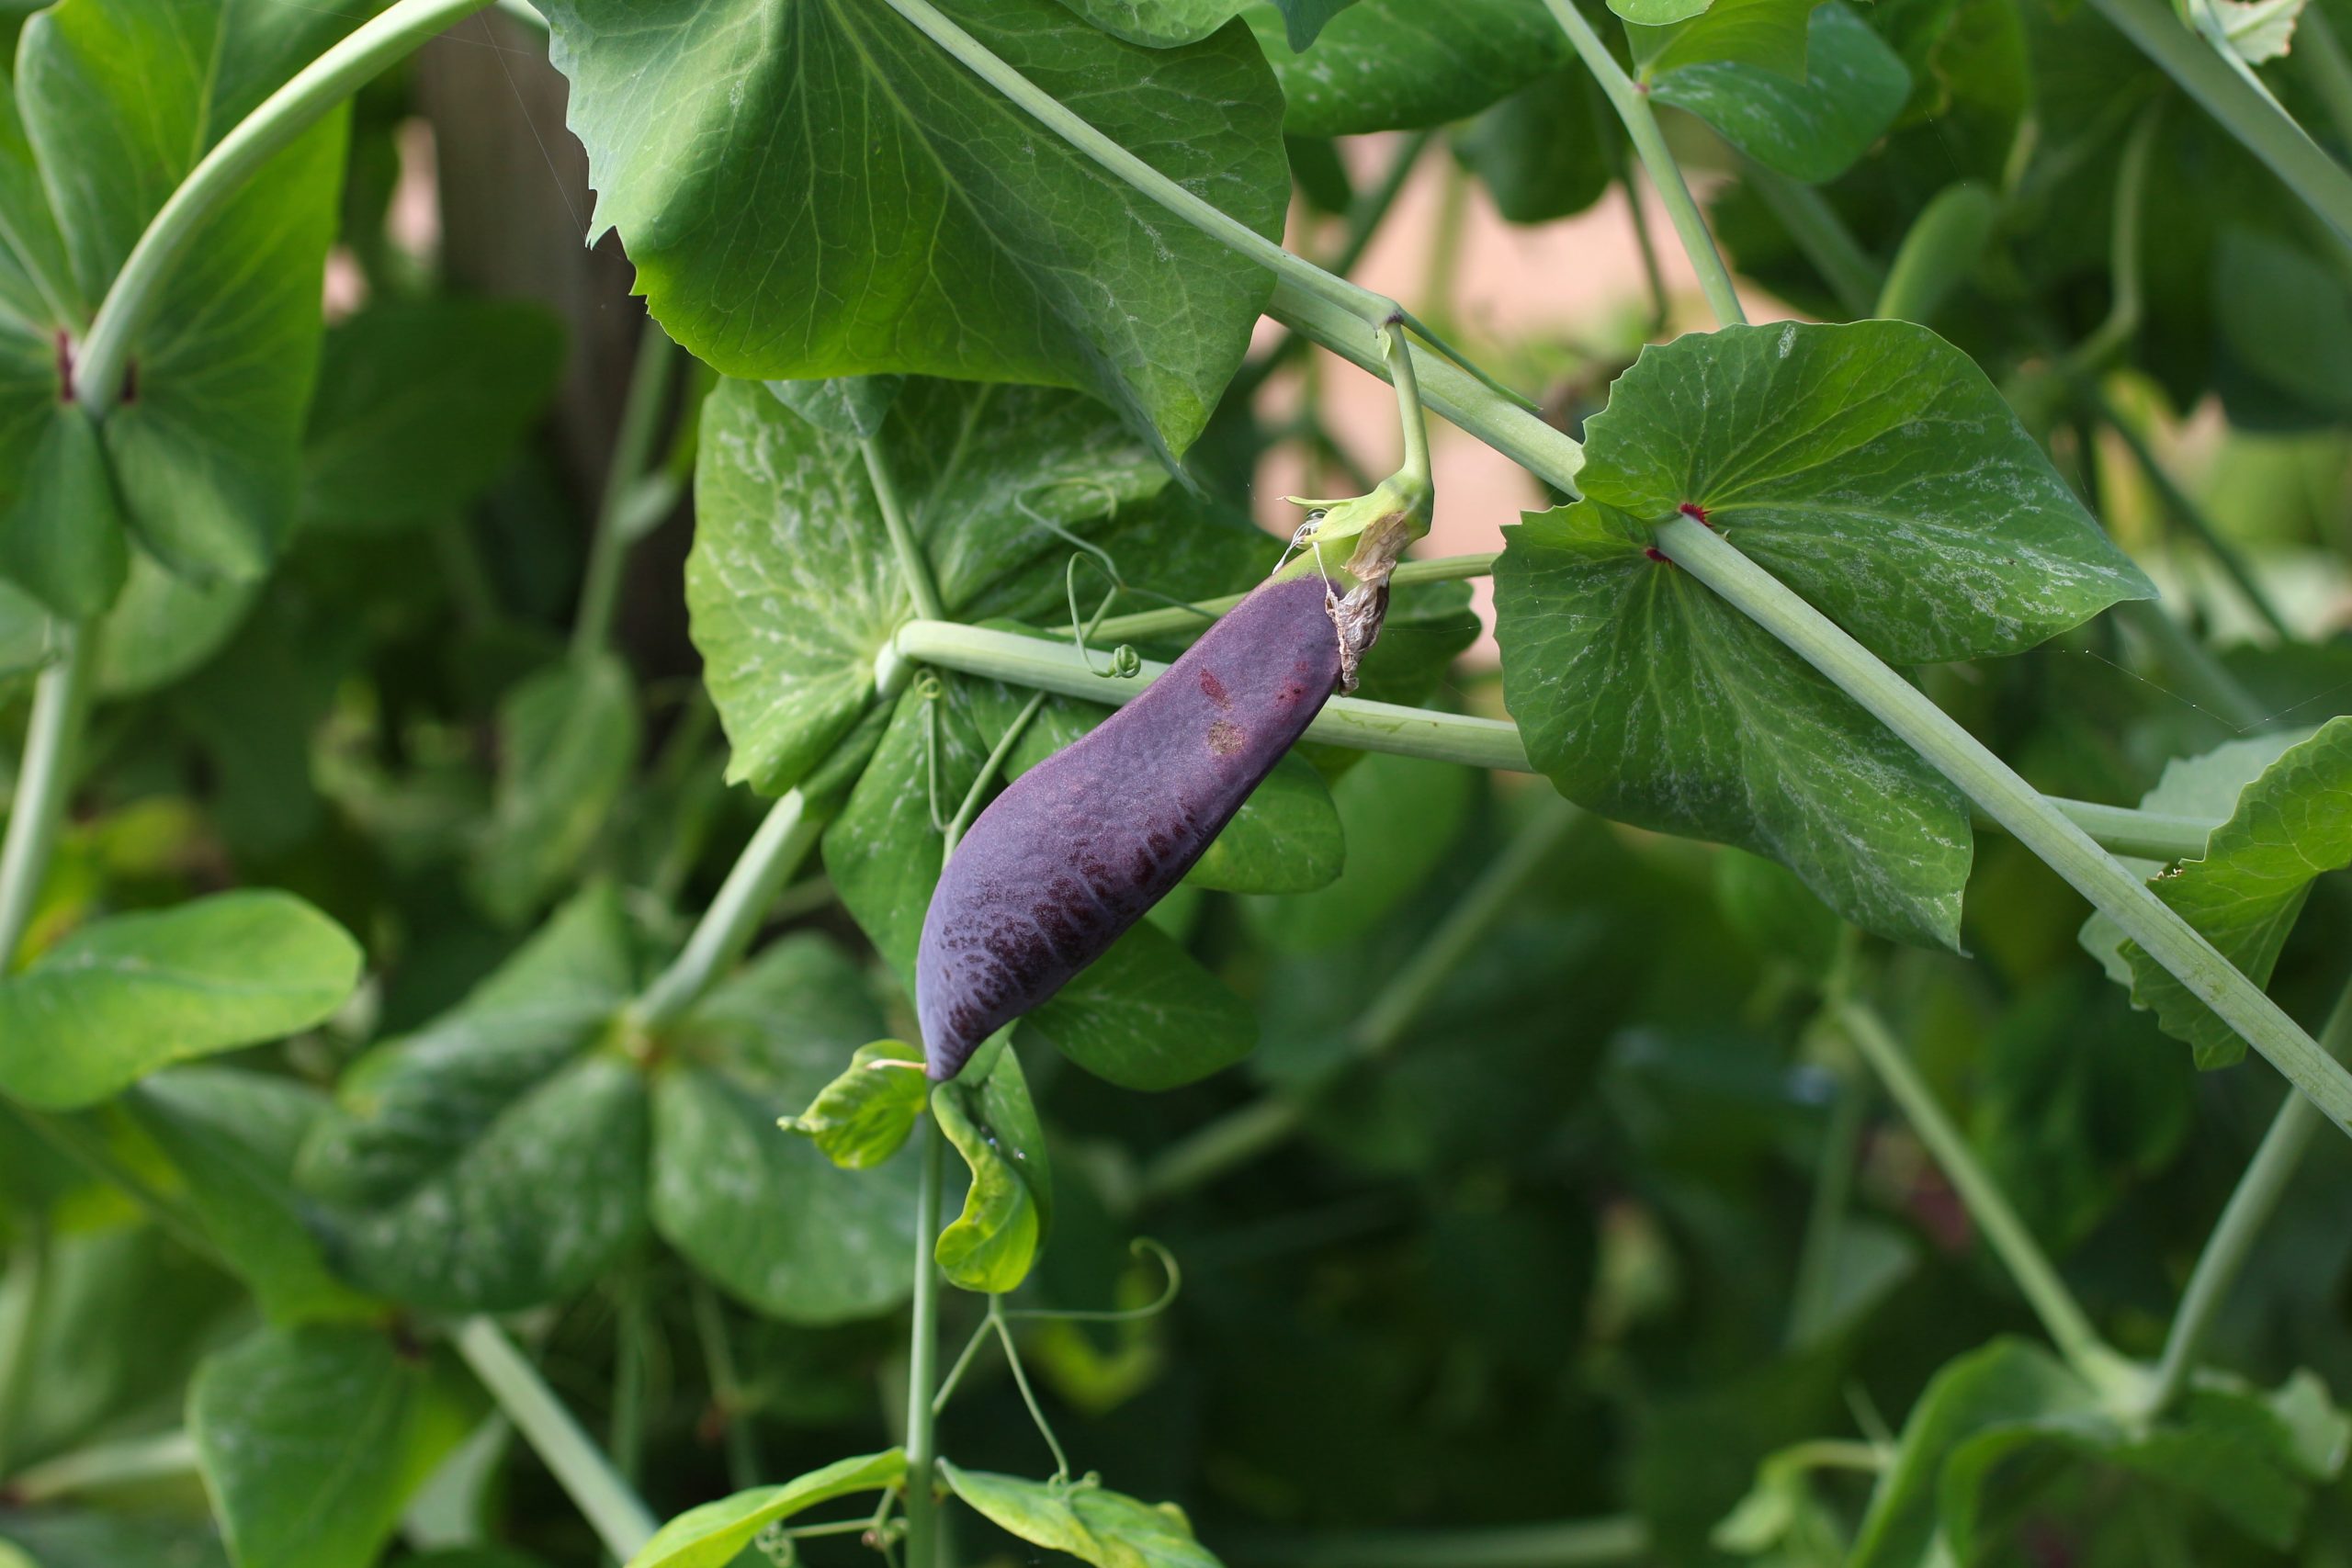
744, 1469
2318, 180
2190, 515
2143, 835
2320, 54
1366, 306
60, 703
2251, 1204
2036, 822
1028, 1395
649, 392
1644, 243
914, 569
2124, 310
1633, 106
923, 1359
302, 101
1811, 1302
126, 1462
2061, 1316
1242, 1135
1178, 619
619, 1518
725, 931
24, 1302
1579, 1544
1822, 236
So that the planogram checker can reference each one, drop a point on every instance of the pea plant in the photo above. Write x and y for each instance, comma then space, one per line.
1016, 1015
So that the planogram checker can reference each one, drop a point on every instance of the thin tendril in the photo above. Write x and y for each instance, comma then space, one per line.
1138, 1247
962, 1362
931, 691
1028, 1396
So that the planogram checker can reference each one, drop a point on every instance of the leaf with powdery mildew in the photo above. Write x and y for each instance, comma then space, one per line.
2291, 826
1404, 64
1645, 697
816, 188
1872, 468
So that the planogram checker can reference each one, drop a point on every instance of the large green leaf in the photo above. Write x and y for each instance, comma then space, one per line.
63, 539
815, 189
793, 586
1083, 1519
1545, 152
1767, 34
763, 1214
1873, 469
1398, 64
234, 1138
419, 405
312, 1441
1645, 697
122, 997
204, 446
1812, 125
493, 1160
712, 1535
2289, 827
1009, 1208
1160, 23
569, 741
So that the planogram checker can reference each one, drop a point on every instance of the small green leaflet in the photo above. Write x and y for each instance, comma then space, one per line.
1646, 698
2291, 827
862, 1117
1545, 152
1873, 469
714, 1534
1811, 122
765, 164
1083, 1519
1769, 35
120, 998
313, 1439
1009, 1209
1401, 64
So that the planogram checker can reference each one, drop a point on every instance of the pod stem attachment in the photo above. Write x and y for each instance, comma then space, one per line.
1382, 524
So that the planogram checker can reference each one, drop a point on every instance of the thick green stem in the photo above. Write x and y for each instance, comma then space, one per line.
725, 931
2244, 111
923, 1359
2061, 1316
301, 103
1823, 236
2012, 803
61, 702
648, 394
620, 1520
1633, 106
1578, 1543
2251, 1204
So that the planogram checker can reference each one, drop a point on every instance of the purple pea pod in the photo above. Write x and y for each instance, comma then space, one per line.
1077, 849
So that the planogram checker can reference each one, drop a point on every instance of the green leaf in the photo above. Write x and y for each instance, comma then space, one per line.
1083, 1519
818, 189
312, 1441
1401, 817
234, 1138
1661, 12
1009, 1208
1158, 24
125, 996
1145, 1015
568, 739
1777, 915
763, 1214
1873, 469
420, 405
29, 633
163, 627
1812, 127
1769, 35
862, 1117
846, 405
491, 1161
1403, 64
1645, 697
1305, 19
2285, 316
205, 443
1544, 153
2287, 829
793, 587
712, 1535
64, 538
